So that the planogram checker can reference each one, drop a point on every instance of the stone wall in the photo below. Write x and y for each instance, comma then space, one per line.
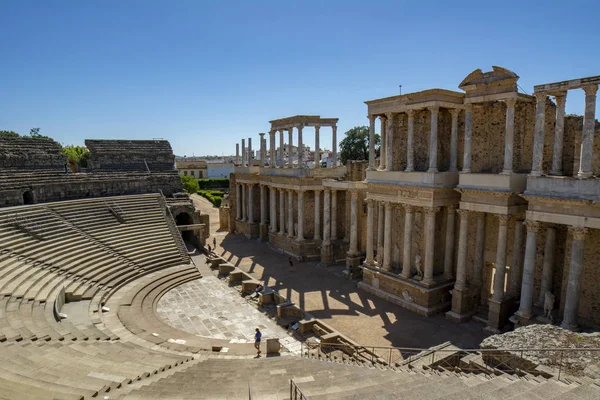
26, 153
130, 155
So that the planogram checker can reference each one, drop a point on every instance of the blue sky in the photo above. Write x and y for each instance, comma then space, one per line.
205, 74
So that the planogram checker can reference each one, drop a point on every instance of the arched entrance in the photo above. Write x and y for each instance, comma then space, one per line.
28, 197
185, 219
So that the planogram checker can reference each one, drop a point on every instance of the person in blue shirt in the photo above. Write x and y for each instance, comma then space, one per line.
257, 337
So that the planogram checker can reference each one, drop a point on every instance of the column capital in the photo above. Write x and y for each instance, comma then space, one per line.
382, 118
261, 134
300, 127
451, 207
273, 132
370, 203
408, 208
462, 213
540, 97
468, 107
434, 109
578, 232
388, 205
372, 118
390, 115
503, 219
590, 90
317, 128
511, 102
561, 99
455, 112
532, 226
281, 131
431, 211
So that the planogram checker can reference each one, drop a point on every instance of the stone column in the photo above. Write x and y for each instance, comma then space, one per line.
354, 222
281, 211
454, 140
300, 215
263, 152
300, 148
449, 247
463, 241
587, 142
263, 205
334, 235
410, 139
251, 203
281, 144
326, 217
317, 230
559, 132
238, 201
574, 280
509, 135
516, 270
237, 154
500, 275
273, 208
548, 265
433, 139
244, 203
250, 155
387, 241
290, 148
272, 155
479, 249
380, 228
370, 223
429, 244
290, 213
538, 138
317, 157
409, 217
526, 303
468, 141
334, 146
244, 153
371, 143
389, 145
382, 148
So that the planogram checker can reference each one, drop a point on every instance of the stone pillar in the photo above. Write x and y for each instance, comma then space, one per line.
382, 148
263, 151
479, 249
429, 244
300, 215
559, 132
237, 154
281, 144
409, 217
587, 142
410, 139
334, 235
244, 203
317, 230
370, 222
548, 266
334, 145
449, 248
290, 148
244, 153
281, 211
238, 201
516, 270
326, 217
300, 148
262, 229
251, 203
538, 139
574, 280
273, 208
371, 143
387, 241
317, 157
454, 140
463, 241
380, 228
500, 275
272, 155
250, 154
526, 303
290, 214
468, 141
354, 223
433, 139
509, 135
389, 145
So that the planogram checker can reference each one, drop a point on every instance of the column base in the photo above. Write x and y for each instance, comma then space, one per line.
327, 254
571, 327
463, 307
263, 231
499, 313
430, 170
584, 175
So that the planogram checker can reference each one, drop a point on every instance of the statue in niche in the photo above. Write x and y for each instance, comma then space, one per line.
418, 267
548, 305
295, 229
407, 296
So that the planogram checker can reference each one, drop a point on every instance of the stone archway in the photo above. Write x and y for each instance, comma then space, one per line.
185, 218
28, 197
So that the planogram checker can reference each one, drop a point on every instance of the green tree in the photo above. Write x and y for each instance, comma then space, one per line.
9, 134
190, 184
35, 133
77, 154
355, 146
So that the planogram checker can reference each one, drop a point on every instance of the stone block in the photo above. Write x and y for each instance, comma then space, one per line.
273, 346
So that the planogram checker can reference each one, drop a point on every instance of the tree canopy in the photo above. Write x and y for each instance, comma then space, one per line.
9, 134
77, 154
355, 146
33, 132
190, 184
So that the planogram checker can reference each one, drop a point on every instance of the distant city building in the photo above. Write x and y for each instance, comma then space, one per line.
194, 168
220, 169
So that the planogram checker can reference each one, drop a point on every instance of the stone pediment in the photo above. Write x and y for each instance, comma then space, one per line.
499, 80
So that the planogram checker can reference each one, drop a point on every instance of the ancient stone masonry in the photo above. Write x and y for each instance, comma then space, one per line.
23, 153
132, 155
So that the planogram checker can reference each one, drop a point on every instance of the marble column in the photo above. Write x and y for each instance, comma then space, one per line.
370, 223
334, 144
317, 234
479, 249
574, 280
430, 214
410, 142
353, 222
290, 213
516, 266
250, 155
463, 242
326, 217
526, 303
262, 150
387, 241
237, 154
272, 155
433, 139
282, 211
548, 265
409, 218
468, 140
244, 153
334, 235
290, 148
251, 203
538, 138
263, 205
500, 274
300, 148
509, 135
382, 147
300, 215
317, 157
587, 142
380, 229
371, 143
389, 145
454, 140
244, 203
238, 202
559, 133
449, 247
273, 208
281, 145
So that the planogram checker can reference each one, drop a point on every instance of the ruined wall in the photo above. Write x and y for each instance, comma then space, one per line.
572, 146
26, 153
130, 155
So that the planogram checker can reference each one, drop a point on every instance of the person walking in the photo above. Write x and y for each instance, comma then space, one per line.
291, 265
257, 337
215, 243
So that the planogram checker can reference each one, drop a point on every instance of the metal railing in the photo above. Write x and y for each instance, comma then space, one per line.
295, 392
542, 362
